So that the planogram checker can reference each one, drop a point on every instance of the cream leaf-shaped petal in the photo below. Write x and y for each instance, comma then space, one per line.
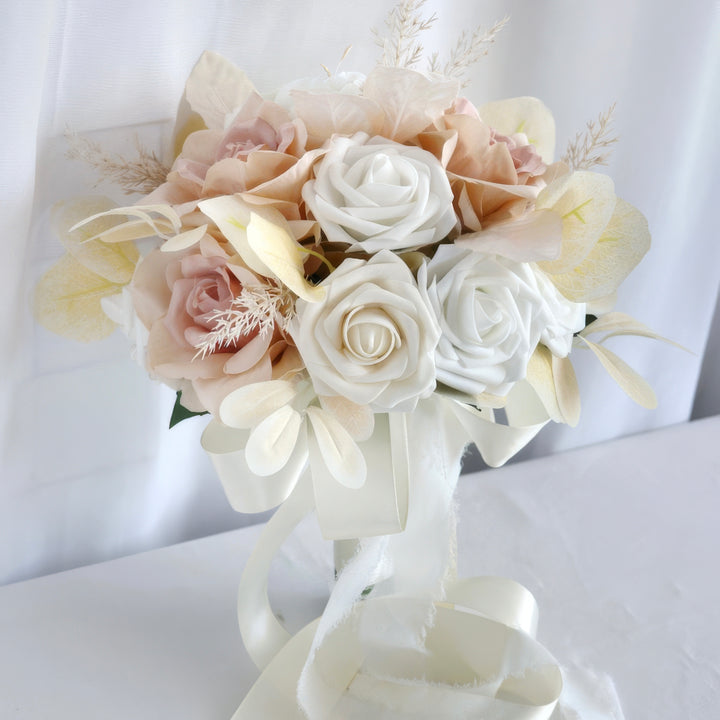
249, 405
531, 237
215, 88
555, 383
271, 443
68, 301
631, 382
282, 254
340, 453
168, 224
616, 323
184, 240
136, 230
585, 201
621, 246
116, 262
540, 376
526, 115
566, 389
410, 100
358, 420
232, 216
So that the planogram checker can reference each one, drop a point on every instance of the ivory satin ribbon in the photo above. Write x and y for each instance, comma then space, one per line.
423, 644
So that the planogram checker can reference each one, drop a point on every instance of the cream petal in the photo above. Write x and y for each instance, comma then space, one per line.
339, 452
636, 387
272, 442
78, 234
232, 216
325, 114
410, 100
585, 201
68, 301
184, 240
281, 253
531, 237
250, 405
621, 246
215, 88
616, 323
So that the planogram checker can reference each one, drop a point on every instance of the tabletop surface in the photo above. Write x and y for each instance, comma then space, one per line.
617, 541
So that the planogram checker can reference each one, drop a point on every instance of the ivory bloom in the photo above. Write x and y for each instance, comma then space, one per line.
379, 195
372, 339
493, 312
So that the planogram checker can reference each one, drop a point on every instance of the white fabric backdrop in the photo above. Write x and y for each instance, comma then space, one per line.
89, 470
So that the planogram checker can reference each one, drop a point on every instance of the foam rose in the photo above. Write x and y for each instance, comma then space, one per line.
379, 195
372, 339
493, 312
176, 296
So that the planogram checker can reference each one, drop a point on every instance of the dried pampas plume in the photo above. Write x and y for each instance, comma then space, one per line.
401, 47
141, 174
592, 147
404, 23
256, 309
468, 50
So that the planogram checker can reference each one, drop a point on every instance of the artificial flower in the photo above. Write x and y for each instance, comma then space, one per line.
183, 299
492, 313
372, 338
374, 194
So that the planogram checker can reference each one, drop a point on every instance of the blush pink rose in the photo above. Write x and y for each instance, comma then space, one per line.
493, 177
177, 297
262, 153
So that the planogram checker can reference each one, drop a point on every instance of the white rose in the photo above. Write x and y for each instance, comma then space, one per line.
492, 313
564, 317
372, 339
380, 195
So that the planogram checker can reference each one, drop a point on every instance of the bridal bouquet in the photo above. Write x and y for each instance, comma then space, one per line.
350, 247
330, 269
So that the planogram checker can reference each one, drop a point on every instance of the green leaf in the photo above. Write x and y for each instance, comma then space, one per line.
180, 412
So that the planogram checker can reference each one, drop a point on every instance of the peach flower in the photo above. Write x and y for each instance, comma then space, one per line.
261, 154
494, 177
178, 297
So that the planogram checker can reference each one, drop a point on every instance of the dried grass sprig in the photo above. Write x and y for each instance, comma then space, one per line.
404, 23
256, 309
591, 147
469, 49
139, 175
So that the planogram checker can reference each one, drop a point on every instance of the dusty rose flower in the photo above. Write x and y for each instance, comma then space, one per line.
261, 153
493, 176
178, 297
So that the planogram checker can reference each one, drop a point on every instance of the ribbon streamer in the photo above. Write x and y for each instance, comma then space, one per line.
422, 644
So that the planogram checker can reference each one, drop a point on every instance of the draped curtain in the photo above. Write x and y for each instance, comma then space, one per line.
89, 469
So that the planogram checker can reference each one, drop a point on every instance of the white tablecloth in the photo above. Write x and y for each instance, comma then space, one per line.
617, 541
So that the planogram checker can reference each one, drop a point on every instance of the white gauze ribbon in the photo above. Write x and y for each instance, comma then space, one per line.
403, 650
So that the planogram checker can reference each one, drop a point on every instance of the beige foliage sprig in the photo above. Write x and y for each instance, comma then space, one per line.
469, 49
404, 23
592, 146
256, 309
141, 174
